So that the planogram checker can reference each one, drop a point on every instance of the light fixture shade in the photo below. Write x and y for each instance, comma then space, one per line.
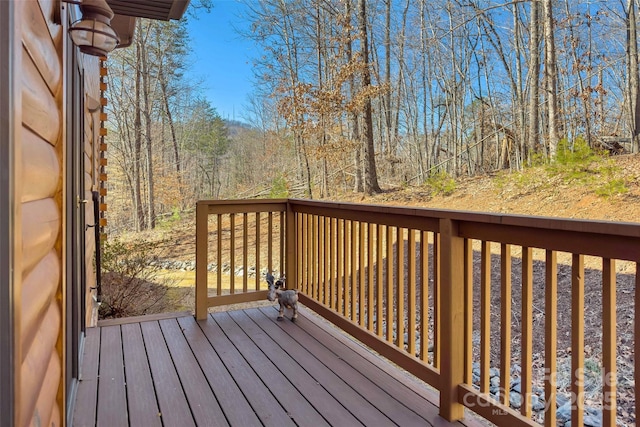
93, 37
93, 33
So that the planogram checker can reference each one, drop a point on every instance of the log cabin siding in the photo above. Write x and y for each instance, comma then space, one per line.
40, 386
38, 290
41, 47
38, 167
41, 112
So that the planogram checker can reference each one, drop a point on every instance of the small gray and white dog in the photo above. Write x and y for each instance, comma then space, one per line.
287, 298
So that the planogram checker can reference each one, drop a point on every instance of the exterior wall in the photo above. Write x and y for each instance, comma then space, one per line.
40, 394
41, 146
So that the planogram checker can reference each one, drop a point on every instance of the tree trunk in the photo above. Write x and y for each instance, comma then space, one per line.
551, 77
165, 101
534, 81
370, 174
634, 79
148, 140
137, 156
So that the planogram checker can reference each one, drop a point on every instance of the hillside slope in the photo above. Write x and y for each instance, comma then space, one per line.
536, 191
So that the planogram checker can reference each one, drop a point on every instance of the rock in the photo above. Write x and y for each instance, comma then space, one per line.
515, 400
593, 417
516, 386
537, 404
494, 372
561, 400
515, 369
495, 382
563, 413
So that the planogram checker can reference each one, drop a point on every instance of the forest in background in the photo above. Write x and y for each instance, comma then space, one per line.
355, 95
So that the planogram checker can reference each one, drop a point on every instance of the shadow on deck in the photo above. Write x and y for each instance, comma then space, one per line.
243, 368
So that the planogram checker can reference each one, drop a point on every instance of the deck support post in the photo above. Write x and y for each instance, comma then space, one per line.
291, 261
452, 319
202, 260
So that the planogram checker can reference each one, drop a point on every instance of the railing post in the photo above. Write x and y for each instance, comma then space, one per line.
291, 266
452, 319
202, 260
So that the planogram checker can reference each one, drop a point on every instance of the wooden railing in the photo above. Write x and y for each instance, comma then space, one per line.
416, 286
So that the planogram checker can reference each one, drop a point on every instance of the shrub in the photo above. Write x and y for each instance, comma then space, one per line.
279, 188
441, 183
130, 279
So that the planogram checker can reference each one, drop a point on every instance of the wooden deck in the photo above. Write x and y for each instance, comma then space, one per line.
243, 368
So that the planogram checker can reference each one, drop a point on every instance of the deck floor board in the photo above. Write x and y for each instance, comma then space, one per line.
362, 384
141, 397
174, 408
87, 395
242, 368
284, 365
283, 391
236, 408
111, 388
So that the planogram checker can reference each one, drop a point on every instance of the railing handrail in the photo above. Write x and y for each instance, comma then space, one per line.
629, 229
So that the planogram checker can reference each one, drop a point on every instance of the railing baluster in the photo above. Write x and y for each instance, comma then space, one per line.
577, 339
468, 311
379, 280
310, 230
322, 238
361, 274
347, 268
327, 256
551, 336
505, 322
354, 272
245, 252
390, 300
437, 313
270, 242
400, 289
316, 257
636, 334
219, 255
232, 254
283, 256
424, 296
411, 293
333, 277
485, 317
257, 230
340, 270
609, 342
370, 269
300, 252
527, 331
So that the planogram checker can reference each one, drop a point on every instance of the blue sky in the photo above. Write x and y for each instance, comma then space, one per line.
220, 58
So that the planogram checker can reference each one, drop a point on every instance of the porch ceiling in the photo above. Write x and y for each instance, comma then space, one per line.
153, 9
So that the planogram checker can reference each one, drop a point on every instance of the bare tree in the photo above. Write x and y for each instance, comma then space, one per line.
370, 173
551, 77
